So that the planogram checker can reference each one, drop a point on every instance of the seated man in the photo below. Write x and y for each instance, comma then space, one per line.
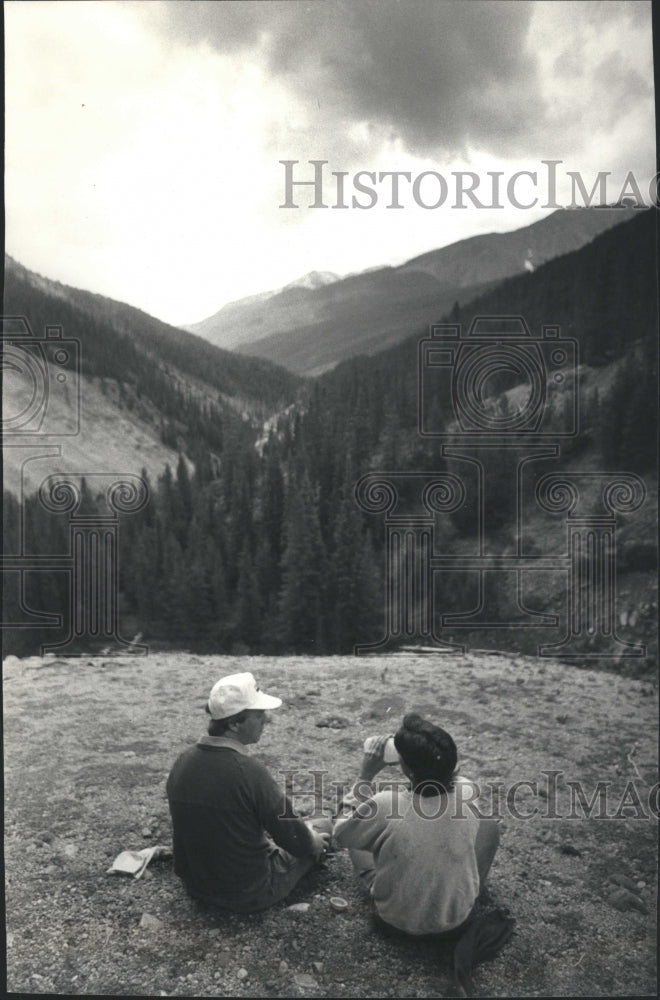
422, 856
237, 842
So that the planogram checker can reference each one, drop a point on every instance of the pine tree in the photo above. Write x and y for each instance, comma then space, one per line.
170, 585
184, 492
613, 414
272, 506
221, 623
300, 620
356, 590
10, 523
196, 597
247, 612
145, 560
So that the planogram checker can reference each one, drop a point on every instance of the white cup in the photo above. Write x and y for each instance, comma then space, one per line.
390, 755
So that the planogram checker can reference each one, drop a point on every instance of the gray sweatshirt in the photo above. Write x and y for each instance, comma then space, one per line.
426, 879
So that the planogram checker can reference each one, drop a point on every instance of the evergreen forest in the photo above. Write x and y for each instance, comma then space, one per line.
254, 542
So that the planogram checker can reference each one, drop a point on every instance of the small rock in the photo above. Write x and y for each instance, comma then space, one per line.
283, 967
317, 967
641, 884
298, 908
150, 923
332, 722
146, 831
304, 979
622, 899
562, 719
624, 881
570, 850
242, 974
70, 850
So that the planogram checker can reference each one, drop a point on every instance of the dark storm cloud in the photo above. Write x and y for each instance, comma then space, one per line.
438, 75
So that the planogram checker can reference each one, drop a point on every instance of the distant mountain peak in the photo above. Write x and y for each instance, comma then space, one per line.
314, 279
320, 319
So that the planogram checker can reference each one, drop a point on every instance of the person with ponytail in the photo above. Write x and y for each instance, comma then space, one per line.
421, 851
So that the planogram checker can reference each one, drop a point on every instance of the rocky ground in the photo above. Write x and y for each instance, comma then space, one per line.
88, 745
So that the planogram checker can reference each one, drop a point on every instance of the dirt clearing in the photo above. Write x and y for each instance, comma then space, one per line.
88, 745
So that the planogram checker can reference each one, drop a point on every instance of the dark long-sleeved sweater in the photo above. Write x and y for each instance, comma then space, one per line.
222, 803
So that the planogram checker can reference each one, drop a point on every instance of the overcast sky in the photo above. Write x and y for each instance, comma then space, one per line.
143, 139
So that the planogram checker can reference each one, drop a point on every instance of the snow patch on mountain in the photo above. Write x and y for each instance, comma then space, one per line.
314, 279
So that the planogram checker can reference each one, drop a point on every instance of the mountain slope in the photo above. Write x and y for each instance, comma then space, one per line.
370, 313
310, 329
362, 417
266, 550
261, 382
114, 437
495, 256
239, 323
148, 390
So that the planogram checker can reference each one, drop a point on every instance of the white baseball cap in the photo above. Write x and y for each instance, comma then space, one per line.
237, 692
